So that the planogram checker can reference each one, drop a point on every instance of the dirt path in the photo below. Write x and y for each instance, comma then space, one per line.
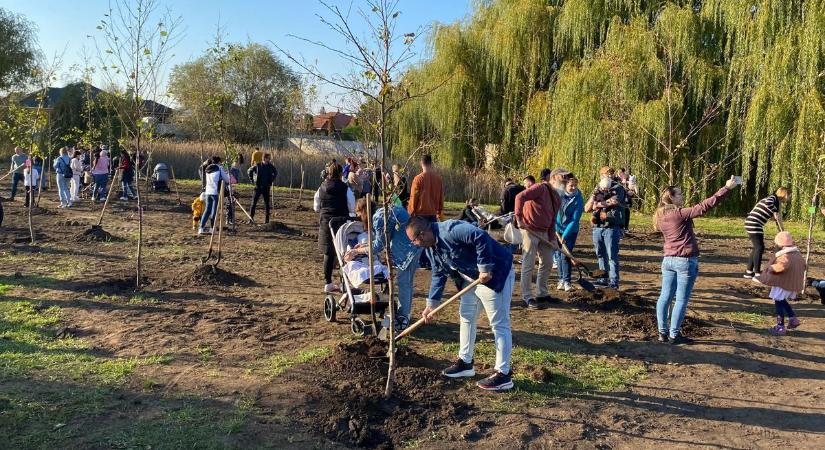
262, 340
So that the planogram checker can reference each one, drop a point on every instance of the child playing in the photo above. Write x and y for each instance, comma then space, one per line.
197, 210
785, 274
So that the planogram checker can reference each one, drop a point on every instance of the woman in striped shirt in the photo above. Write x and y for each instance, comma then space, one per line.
770, 206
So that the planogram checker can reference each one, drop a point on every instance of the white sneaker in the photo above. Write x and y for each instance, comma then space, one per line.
560, 286
555, 265
201, 231
331, 287
123, 198
568, 287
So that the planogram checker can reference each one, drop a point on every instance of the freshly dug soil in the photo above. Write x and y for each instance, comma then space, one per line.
94, 234
208, 274
301, 208
636, 315
348, 402
276, 227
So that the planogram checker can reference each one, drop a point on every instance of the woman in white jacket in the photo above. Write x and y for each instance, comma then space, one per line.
77, 170
215, 178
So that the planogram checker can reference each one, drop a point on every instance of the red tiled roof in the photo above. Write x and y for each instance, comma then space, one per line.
339, 121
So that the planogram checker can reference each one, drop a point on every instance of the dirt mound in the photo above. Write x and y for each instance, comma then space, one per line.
111, 283
609, 300
276, 227
348, 403
94, 234
636, 315
210, 275
645, 324
11, 235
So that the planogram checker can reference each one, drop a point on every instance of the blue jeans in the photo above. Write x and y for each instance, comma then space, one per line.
565, 266
100, 185
404, 283
678, 276
63, 189
210, 210
497, 306
16, 178
606, 242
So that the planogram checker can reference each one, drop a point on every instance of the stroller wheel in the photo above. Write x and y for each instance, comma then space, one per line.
357, 325
329, 308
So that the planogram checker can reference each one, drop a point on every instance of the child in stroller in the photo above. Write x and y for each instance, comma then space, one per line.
355, 300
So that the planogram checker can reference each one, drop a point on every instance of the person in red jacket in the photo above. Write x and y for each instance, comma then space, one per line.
535, 212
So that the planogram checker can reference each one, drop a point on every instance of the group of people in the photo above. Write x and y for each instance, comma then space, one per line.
216, 179
76, 169
547, 212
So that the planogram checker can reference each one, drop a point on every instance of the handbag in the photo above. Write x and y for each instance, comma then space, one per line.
512, 234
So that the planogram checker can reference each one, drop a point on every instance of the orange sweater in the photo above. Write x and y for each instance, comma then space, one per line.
427, 195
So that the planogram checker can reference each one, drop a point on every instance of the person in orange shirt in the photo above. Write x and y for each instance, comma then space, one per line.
427, 192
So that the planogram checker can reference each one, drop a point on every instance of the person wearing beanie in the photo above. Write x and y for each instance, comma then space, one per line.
785, 275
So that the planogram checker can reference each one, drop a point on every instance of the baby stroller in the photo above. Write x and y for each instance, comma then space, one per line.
354, 301
160, 178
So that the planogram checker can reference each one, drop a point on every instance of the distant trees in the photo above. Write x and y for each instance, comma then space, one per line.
18, 50
252, 90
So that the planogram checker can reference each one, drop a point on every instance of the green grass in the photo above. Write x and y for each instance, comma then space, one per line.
568, 372
58, 393
278, 364
757, 317
29, 348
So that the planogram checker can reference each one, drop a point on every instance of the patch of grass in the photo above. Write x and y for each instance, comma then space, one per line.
278, 364
753, 317
567, 372
29, 348
205, 353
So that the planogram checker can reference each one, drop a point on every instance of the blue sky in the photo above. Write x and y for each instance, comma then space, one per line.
65, 24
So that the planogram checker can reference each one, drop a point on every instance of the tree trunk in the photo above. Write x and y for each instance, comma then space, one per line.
391, 292
811, 221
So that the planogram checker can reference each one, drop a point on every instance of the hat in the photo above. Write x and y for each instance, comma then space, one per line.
783, 239
562, 172
545, 173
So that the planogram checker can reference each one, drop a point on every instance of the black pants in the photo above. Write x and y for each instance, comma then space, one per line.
326, 243
265, 192
758, 243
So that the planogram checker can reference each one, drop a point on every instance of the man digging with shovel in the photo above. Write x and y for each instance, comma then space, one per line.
484, 269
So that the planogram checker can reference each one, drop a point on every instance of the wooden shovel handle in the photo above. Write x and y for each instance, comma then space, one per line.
443, 304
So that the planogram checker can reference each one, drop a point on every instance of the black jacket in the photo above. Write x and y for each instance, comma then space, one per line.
333, 197
508, 198
264, 174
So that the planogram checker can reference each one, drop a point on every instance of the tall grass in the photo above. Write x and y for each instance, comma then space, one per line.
186, 158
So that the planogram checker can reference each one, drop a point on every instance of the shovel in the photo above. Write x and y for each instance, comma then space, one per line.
443, 304
582, 269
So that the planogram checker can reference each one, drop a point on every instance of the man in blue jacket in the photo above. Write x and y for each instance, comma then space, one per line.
465, 253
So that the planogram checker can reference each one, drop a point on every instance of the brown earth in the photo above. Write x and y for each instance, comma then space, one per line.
737, 387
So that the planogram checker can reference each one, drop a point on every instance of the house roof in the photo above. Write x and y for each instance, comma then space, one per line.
339, 121
53, 96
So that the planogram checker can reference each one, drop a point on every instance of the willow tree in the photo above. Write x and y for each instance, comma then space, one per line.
681, 92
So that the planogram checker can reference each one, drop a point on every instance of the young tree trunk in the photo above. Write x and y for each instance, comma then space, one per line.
391, 292
811, 221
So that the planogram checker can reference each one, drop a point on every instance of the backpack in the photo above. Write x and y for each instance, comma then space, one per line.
66, 168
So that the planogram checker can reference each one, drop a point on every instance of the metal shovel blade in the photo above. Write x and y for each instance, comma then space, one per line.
586, 285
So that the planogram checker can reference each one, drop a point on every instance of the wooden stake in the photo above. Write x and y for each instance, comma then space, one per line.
177, 191
108, 194
369, 255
